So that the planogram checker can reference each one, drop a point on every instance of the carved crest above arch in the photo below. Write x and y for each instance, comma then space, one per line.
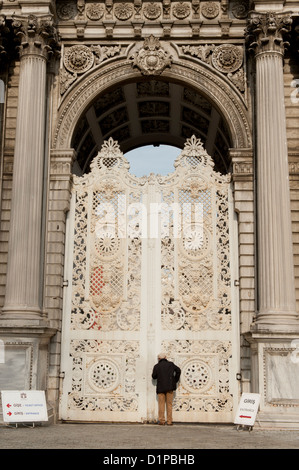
151, 59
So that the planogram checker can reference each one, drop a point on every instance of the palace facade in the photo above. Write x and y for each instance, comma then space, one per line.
100, 270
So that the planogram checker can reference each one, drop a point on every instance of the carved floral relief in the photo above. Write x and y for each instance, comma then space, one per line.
226, 58
79, 59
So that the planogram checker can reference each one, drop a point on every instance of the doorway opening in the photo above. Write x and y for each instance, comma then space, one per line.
151, 113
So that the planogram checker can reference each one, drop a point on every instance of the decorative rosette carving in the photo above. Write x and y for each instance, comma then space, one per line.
181, 10
123, 11
152, 11
227, 58
210, 10
78, 59
94, 11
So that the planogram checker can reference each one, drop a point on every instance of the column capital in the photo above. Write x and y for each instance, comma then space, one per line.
267, 31
4, 39
37, 35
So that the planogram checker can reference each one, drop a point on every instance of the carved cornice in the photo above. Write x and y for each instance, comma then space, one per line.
243, 167
37, 35
266, 32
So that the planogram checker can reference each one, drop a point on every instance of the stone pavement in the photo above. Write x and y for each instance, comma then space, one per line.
144, 436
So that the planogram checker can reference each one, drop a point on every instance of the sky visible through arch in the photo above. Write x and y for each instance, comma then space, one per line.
151, 159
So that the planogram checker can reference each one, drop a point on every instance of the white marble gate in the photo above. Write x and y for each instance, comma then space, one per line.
150, 266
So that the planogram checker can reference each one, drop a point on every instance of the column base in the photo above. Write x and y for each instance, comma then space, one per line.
22, 315
279, 420
24, 356
275, 376
273, 321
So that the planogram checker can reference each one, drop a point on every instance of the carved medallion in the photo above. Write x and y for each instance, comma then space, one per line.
152, 59
152, 11
181, 10
66, 10
95, 11
240, 9
210, 10
196, 375
227, 58
103, 375
123, 11
78, 59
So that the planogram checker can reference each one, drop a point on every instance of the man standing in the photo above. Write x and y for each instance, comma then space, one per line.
167, 375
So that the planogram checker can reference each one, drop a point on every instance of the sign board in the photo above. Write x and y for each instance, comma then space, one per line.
247, 409
24, 406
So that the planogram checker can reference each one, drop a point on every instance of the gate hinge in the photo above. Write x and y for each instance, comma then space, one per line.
65, 283
236, 283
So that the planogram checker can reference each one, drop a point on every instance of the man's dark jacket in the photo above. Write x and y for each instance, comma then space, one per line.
167, 375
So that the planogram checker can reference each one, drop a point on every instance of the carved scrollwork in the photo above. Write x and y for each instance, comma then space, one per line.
268, 31
36, 35
240, 9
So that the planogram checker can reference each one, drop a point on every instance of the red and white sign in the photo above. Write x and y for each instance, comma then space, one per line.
247, 409
24, 406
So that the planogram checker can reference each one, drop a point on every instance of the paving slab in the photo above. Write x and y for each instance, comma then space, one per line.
144, 436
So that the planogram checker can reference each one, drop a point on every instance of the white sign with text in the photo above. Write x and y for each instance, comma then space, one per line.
247, 409
24, 406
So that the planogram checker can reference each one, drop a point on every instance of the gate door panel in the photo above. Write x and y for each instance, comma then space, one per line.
149, 267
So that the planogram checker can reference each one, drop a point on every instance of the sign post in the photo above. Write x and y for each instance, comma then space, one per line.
24, 406
247, 409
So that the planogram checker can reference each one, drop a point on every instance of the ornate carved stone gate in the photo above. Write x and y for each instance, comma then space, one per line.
150, 266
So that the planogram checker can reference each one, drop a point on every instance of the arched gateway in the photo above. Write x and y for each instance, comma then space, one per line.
163, 278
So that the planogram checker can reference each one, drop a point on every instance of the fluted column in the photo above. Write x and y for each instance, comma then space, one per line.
22, 299
276, 288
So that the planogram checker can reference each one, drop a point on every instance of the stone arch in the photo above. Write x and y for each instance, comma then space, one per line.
199, 76
186, 71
